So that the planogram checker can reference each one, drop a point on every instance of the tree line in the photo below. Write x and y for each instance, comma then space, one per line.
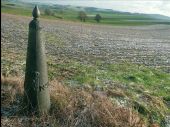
81, 15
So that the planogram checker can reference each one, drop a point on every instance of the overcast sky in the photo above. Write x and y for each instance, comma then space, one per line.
140, 6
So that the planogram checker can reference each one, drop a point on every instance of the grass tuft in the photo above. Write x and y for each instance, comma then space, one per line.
78, 107
71, 107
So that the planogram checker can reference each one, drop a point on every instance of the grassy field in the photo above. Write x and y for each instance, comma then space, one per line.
95, 89
72, 15
125, 84
126, 73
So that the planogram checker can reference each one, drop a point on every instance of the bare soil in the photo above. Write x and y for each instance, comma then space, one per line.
88, 43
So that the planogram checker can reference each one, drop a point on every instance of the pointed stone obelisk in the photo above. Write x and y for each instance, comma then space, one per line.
36, 91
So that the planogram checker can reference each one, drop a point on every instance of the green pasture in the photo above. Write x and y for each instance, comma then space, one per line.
72, 15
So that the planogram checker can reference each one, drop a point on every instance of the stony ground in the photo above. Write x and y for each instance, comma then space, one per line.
149, 45
85, 43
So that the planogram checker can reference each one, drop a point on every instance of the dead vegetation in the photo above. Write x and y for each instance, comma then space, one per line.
71, 107
78, 108
10, 88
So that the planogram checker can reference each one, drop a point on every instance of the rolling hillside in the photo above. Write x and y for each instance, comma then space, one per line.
67, 12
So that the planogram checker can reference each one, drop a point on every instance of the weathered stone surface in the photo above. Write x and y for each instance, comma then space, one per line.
36, 91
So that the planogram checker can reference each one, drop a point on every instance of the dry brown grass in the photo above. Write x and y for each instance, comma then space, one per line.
11, 86
14, 82
77, 108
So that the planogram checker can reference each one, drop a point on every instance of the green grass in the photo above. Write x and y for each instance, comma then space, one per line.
155, 80
137, 79
15, 10
71, 15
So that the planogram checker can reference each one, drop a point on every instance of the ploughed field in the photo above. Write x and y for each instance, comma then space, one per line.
87, 43
98, 58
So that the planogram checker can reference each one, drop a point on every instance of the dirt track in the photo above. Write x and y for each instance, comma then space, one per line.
149, 45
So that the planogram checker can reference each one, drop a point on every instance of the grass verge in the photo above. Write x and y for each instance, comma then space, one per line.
79, 107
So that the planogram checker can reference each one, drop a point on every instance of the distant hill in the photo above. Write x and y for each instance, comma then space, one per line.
87, 9
69, 12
